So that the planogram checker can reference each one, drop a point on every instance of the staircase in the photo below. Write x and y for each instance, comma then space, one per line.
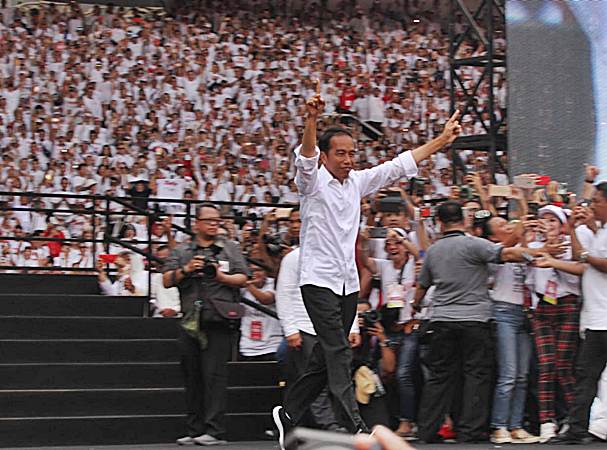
79, 368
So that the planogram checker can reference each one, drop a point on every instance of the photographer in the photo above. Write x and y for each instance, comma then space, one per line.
375, 362
273, 244
208, 272
397, 278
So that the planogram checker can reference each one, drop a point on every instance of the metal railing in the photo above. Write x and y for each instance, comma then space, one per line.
105, 207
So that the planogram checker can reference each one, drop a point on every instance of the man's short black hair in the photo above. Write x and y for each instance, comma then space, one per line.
205, 205
450, 212
602, 188
324, 142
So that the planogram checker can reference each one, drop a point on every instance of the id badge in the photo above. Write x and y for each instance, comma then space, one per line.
256, 330
224, 266
550, 292
396, 296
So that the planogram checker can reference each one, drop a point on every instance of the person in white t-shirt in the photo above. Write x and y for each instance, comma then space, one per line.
260, 334
556, 319
513, 340
593, 321
131, 279
397, 279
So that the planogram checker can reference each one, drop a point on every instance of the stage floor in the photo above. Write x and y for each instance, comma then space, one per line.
267, 445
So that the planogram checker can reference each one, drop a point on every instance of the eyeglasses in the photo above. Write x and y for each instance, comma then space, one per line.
210, 221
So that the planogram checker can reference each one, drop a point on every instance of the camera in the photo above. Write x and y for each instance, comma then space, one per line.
208, 270
370, 318
273, 243
378, 232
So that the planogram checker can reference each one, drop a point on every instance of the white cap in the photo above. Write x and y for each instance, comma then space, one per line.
555, 211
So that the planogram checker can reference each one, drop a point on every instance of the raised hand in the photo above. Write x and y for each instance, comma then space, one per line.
452, 128
544, 262
315, 105
591, 172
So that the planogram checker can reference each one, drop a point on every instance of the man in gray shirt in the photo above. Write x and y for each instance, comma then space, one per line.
458, 266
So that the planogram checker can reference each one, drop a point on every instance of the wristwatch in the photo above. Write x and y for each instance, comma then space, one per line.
584, 256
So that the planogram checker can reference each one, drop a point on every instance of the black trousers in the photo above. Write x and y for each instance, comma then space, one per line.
206, 380
330, 360
455, 345
591, 363
321, 413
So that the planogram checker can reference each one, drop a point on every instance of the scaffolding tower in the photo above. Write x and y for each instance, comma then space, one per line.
480, 21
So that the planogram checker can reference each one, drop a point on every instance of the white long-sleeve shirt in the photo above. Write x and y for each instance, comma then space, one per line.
164, 298
330, 214
289, 302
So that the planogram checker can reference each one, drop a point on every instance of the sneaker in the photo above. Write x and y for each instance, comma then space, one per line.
598, 428
409, 436
520, 436
564, 428
283, 423
501, 436
207, 439
186, 440
447, 433
547, 432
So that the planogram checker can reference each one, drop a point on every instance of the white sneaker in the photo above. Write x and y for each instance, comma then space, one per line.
207, 439
547, 432
501, 436
521, 436
187, 440
598, 432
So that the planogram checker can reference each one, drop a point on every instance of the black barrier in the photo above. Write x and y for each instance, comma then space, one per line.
101, 206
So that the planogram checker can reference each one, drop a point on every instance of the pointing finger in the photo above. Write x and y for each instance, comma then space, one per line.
318, 86
455, 116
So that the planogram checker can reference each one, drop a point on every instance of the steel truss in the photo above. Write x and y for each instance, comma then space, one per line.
480, 24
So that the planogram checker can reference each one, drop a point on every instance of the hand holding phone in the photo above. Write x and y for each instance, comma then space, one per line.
499, 191
107, 258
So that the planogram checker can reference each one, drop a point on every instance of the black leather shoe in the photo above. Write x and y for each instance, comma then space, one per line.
569, 438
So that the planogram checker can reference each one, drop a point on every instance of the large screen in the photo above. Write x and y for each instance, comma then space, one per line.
557, 72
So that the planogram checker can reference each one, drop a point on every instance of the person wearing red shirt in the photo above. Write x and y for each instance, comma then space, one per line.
346, 98
54, 247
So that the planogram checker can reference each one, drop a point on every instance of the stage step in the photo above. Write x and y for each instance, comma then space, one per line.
77, 368
91, 430
125, 401
253, 373
101, 402
90, 375
17, 283
253, 399
118, 430
70, 350
249, 426
86, 328
70, 305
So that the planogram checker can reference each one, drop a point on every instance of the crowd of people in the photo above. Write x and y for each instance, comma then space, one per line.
455, 280
205, 106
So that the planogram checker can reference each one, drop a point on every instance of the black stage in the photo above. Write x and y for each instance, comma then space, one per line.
267, 445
